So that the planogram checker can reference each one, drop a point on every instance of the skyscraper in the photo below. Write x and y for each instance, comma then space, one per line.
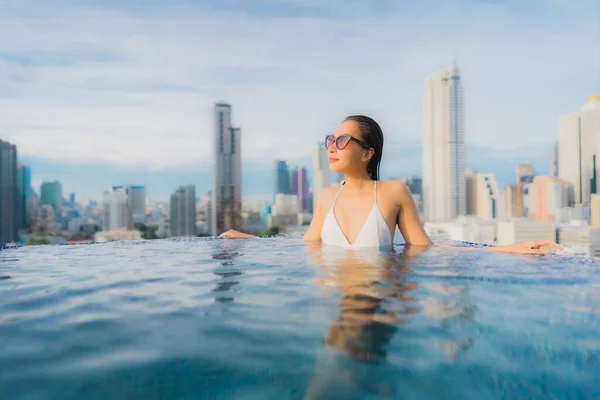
525, 173
482, 195
444, 191
321, 172
46, 223
24, 199
51, 194
183, 211
136, 202
282, 177
578, 150
300, 188
208, 214
8, 192
116, 212
227, 180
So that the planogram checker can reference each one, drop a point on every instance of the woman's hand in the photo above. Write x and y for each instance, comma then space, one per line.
531, 247
233, 234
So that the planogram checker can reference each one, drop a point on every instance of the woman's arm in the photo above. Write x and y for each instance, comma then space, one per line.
313, 234
413, 232
408, 221
233, 234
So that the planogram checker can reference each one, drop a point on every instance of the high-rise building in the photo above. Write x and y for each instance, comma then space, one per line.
23, 214
471, 187
482, 195
525, 173
578, 148
512, 201
72, 198
208, 214
136, 201
116, 212
183, 211
32, 208
321, 172
282, 177
46, 223
51, 194
284, 211
554, 160
300, 188
547, 196
8, 192
227, 180
444, 186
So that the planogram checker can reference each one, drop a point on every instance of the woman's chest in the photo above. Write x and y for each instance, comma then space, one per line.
353, 215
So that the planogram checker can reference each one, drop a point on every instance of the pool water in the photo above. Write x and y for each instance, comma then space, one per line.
274, 318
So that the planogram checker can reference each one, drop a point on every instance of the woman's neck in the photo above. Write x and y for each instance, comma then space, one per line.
356, 183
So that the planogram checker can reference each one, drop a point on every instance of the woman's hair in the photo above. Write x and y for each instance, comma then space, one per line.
372, 135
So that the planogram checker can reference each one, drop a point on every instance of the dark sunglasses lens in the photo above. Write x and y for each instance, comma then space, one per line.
329, 141
342, 142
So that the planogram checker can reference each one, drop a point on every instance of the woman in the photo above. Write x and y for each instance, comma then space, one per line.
364, 211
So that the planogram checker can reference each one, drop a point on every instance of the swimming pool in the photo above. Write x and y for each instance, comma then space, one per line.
274, 318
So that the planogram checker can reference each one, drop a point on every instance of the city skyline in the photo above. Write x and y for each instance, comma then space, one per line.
538, 198
121, 108
160, 184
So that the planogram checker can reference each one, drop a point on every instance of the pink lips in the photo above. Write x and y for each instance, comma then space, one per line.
331, 159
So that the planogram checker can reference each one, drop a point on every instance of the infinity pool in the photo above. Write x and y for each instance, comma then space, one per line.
275, 319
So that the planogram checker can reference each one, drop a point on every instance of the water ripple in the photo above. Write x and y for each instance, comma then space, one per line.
274, 318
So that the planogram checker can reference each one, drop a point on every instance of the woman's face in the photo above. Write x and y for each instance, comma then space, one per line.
351, 155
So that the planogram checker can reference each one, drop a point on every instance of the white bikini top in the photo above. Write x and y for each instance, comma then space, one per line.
374, 233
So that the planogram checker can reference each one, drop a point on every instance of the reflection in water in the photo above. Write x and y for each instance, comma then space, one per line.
375, 288
368, 316
226, 287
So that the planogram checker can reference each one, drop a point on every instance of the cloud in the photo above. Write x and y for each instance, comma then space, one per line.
133, 85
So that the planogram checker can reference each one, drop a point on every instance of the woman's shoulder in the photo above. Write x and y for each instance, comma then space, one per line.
394, 184
328, 194
395, 188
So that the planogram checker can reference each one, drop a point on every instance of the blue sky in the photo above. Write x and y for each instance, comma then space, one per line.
96, 93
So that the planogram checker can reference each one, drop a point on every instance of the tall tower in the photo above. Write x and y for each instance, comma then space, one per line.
183, 211
444, 187
8, 192
51, 194
282, 177
321, 173
23, 215
136, 202
300, 188
578, 150
525, 173
227, 179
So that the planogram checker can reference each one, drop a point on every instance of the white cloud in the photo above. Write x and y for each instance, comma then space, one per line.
137, 88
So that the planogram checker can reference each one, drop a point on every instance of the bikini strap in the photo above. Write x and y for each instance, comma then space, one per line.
337, 193
375, 193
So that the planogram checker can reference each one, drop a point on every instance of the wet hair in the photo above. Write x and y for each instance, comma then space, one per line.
372, 135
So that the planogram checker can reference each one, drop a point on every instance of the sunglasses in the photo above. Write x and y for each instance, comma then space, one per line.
342, 141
